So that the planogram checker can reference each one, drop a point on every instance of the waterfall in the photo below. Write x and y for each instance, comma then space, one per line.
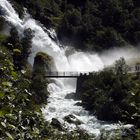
58, 106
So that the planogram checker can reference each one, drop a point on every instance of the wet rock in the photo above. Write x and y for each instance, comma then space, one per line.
72, 119
57, 124
129, 132
70, 96
69, 51
42, 63
78, 104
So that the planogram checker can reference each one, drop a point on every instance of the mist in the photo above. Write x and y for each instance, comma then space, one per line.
130, 54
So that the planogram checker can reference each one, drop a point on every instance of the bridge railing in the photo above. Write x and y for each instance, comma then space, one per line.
65, 74
134, 69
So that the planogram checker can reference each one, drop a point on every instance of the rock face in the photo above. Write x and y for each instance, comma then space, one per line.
43, 63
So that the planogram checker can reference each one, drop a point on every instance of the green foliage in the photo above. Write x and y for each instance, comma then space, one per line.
26, 43
20, 117
121, 68
40, 90
14, 38
86, 24
16, 51
21, 47
90, 25
114, 91
2, 38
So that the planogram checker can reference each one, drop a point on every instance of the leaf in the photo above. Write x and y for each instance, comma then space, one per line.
10, 126
2, 113
1, 94
24, 128
8, 84
9, 135
132, 104
11, 68
16, 51
11, 116
4, 110
23, 71
3, 124
36, 130
14, 75
27, 92
9, 62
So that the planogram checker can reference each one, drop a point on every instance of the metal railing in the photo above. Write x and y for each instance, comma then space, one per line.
65, 74
134, 69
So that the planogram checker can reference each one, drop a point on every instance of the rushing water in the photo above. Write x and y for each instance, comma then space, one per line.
58, 106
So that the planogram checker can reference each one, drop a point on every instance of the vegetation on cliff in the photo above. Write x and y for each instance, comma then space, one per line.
87, 24
20, 115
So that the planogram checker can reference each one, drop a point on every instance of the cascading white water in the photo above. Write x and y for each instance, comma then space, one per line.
59, 107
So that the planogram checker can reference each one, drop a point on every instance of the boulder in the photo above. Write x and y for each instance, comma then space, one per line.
70, 96
55, 123
43, 63
79, 104
72, 119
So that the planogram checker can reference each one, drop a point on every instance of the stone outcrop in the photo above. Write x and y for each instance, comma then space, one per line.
42, 63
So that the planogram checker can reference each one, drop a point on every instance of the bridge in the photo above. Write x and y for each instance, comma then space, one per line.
68, 74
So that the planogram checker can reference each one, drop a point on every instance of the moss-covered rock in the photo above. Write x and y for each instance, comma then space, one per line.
42, 63
42, 66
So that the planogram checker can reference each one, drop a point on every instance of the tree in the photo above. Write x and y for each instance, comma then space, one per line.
2, 22
121, 68
26, 43
14, 39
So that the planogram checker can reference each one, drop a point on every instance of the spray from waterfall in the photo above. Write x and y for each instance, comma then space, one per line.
77, 61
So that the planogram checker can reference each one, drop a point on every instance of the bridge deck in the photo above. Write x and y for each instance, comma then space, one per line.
55, 74
49, 76
64, 74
